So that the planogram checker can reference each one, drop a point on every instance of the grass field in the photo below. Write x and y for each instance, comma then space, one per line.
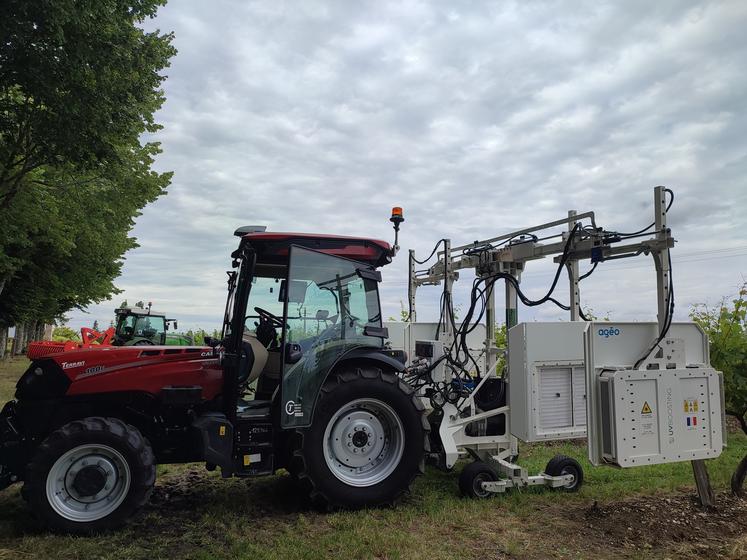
647, 512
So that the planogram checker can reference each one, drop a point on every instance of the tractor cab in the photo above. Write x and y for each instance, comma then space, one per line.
140, 326
298, 303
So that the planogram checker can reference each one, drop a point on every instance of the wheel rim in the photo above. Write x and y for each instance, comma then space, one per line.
477, 488
364, 442
571, 471
88, 483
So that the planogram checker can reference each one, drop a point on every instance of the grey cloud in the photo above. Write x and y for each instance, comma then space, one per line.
478, 118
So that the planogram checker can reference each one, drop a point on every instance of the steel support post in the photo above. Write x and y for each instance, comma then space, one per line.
512, 318
661, 259
490, 347
572, 266
411, 289
446, 316
512, 302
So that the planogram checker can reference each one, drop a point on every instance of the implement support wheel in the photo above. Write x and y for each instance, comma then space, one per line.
472, 477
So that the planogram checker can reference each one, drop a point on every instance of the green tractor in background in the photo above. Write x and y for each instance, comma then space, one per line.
141, 326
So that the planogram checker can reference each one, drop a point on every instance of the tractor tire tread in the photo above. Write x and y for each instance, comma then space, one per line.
298, 468
142, 482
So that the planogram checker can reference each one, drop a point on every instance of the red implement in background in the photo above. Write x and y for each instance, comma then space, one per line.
89, 337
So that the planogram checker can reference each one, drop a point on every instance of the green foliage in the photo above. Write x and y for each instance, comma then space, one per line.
79, 79
591, 316
64, 333
726, 327
501, 343
404, 315
79, 84
200, 334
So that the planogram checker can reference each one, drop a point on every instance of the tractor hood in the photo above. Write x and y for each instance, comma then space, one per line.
109, 369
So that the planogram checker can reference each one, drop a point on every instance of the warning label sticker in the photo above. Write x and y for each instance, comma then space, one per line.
647, 427
691, 407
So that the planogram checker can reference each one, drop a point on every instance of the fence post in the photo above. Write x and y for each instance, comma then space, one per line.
703, 484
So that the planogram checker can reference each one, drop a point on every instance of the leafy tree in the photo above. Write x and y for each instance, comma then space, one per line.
78, 80
79, 84
726, 327
199, 337
64, 333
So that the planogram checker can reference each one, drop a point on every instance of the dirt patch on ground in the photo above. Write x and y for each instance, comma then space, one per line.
671, 525
668, 522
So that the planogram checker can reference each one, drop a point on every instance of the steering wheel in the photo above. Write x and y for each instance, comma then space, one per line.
267, 316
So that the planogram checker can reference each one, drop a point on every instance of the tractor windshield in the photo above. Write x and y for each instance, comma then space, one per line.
330, 303
136, 329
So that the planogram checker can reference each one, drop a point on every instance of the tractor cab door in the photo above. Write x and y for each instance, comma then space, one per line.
331, 303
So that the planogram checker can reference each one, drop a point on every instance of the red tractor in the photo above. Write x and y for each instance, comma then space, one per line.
300, 381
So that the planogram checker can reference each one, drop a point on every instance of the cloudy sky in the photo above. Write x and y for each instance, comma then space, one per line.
476, 117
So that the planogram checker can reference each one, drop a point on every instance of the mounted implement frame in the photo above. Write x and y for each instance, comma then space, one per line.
541, 394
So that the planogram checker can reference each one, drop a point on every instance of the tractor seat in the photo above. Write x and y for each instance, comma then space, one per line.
260, 356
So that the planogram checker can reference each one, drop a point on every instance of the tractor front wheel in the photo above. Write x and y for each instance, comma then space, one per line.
367, 442
90, 475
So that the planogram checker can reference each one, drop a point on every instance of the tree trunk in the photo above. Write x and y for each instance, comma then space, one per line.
24, 339
2, 284
30, 333
18, 340
14, 348
737, 479
3, 340
742, 419
703, 484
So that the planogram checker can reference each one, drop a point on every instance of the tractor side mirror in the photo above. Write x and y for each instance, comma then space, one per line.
293, 353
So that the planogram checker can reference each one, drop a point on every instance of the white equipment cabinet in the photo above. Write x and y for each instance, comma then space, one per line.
546, 384
403, 336
667, 409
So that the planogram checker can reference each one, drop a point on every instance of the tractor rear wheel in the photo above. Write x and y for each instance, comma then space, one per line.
366, 444
90, 475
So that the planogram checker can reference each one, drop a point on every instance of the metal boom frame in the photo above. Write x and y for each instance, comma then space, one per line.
509, 253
